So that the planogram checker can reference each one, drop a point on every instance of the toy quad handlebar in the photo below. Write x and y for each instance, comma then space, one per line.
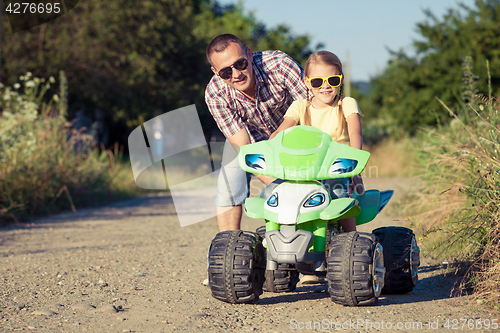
302, 153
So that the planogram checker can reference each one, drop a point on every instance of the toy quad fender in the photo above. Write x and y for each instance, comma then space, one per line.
300, 228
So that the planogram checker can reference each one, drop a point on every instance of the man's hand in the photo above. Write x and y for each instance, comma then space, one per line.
265, 179
357, 184
241, 138
287, 123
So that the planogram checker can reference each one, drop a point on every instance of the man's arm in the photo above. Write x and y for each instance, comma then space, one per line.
287, 123
241, 138
227, 119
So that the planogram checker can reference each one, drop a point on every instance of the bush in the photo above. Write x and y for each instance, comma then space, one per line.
461, 197
45, 165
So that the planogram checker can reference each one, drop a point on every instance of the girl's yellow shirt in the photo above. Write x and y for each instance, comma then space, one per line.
326, 119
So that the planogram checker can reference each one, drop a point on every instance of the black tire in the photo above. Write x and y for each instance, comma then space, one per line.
236, 266
282, 280
261, 231
401, 257
355, 269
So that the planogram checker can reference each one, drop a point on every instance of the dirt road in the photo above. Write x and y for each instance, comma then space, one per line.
130, 267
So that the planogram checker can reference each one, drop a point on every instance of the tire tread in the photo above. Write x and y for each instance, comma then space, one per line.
236, 267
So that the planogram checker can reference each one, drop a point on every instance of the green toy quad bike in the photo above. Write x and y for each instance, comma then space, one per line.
301, 228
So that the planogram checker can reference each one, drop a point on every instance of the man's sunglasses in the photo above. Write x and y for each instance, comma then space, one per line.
227, 72
333, 81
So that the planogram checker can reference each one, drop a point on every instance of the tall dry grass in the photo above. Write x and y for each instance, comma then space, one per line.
459, 206
392, 157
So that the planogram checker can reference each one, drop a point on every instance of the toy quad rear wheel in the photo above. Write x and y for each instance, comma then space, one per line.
355, 269
282, 280
401, 257
236, 266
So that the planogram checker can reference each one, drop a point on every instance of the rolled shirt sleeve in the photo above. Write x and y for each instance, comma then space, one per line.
228, 121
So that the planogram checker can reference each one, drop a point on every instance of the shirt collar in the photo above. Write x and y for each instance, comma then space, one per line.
259, 77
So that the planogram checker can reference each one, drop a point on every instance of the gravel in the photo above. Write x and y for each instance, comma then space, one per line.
130, 267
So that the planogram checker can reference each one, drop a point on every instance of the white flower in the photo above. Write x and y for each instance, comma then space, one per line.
30, 84
17, 86
52, 80
28, 74
56, 98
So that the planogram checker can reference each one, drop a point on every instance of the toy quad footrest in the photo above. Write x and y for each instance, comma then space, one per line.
291, 248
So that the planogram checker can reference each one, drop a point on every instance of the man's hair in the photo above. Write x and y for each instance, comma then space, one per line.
221, 42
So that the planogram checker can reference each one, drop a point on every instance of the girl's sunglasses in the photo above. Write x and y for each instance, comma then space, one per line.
333, 81
240, 65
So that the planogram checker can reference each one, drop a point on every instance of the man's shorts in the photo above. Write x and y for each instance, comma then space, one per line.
233, 184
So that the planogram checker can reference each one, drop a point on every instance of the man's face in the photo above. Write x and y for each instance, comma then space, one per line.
242, 80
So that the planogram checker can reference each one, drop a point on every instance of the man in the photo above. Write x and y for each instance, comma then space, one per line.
247, 96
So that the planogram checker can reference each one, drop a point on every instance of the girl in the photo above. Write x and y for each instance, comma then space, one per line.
332, 113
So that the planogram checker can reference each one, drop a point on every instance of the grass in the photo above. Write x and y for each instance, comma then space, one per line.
458, 208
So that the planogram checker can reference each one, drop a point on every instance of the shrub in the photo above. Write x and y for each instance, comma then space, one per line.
461, 195
47, 166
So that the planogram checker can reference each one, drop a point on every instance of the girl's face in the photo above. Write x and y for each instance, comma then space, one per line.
325, 95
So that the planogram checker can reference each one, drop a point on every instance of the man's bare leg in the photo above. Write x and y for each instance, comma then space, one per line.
348, 224
229, 218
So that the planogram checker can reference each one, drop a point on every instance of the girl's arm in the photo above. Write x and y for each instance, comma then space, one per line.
287, 123
354, 129
356, 141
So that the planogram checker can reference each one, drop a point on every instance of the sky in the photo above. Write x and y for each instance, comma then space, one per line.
362, 28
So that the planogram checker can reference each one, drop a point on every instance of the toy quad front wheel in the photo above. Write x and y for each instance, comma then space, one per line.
236, 266
355, 269
401, 257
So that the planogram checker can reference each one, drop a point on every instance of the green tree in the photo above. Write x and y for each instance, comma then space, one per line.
405, 93
130, 59
135, 60
215, 19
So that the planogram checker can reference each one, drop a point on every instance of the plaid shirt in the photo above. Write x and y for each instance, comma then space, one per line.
279, 81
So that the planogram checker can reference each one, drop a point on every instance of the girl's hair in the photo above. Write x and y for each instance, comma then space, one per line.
327, 58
